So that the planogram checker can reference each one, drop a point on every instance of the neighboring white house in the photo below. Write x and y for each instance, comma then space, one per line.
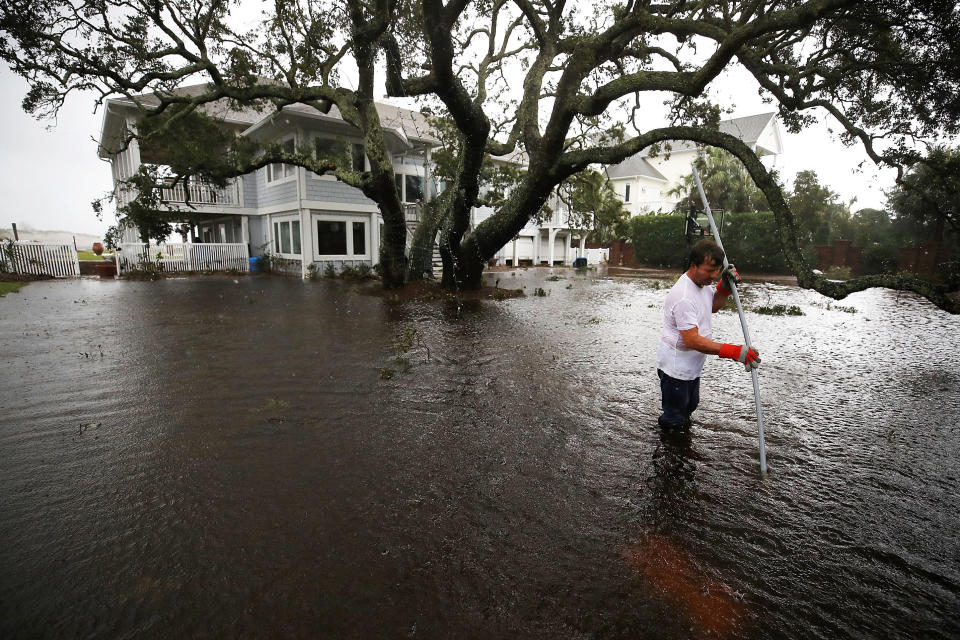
289, 211
644, 183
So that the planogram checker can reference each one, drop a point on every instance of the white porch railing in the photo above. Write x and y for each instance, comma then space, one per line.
59, 260
202, 192
183, 257
411, 211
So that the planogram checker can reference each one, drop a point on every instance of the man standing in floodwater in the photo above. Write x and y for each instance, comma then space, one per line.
687, 331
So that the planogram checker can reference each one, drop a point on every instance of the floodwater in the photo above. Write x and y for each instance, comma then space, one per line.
264, 457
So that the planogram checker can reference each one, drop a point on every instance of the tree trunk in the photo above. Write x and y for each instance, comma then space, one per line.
424, 237
476, 249
469, 266
393, 259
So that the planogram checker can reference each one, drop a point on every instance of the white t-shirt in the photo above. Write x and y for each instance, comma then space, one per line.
687, 306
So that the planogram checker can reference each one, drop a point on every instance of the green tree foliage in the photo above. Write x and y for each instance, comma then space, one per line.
555, 81
929, 193
750, 239
820, 215
726, 183
657, 240
593, 206
875, 232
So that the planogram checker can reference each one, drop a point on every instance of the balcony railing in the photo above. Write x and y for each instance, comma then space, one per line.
411, 211
202, 192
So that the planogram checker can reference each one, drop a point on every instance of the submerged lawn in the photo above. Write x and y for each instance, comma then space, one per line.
10, 287
269, 457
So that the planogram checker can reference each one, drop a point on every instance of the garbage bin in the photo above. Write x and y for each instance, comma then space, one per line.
256, 264
580, 263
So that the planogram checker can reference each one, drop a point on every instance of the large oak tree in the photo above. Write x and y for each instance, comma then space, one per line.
564, 84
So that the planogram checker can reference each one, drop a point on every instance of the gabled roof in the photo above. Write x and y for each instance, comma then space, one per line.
749, 129
408, 124
220, 109
633, 167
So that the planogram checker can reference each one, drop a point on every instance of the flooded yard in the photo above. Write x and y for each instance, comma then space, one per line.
265, 457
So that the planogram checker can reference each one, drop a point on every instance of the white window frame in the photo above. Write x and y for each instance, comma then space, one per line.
403, 186
348, 221
289, 171
277, 224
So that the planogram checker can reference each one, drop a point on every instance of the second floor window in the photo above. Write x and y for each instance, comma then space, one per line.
330, 149
409, 187
278, 171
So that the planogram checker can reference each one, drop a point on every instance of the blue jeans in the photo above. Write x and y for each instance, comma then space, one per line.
678, 398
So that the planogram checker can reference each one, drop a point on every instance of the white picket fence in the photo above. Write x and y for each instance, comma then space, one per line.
184, 257
58, 260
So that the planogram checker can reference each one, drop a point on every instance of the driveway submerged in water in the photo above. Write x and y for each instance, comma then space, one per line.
267, 457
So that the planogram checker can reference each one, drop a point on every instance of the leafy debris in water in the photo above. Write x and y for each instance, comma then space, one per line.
778, 310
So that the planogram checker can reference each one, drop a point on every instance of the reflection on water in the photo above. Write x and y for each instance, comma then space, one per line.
231, 458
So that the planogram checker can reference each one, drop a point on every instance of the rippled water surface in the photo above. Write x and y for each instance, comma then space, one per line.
271, 458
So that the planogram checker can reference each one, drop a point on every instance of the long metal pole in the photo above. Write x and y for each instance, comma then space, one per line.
743, 323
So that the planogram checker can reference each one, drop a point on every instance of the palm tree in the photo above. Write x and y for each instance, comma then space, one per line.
725, 181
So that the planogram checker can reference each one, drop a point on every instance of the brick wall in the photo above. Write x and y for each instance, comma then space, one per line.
621, 254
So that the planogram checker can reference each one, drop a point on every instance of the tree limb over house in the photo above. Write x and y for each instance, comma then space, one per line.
513, 75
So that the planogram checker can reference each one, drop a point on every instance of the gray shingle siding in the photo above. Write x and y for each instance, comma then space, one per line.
250, 190
334, 191
273, 194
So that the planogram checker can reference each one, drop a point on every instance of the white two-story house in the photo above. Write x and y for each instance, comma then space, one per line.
644, 182
298, 216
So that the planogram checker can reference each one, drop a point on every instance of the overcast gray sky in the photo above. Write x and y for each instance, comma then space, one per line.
50, 172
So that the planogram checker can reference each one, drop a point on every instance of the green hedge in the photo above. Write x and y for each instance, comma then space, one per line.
658, 240
750, 240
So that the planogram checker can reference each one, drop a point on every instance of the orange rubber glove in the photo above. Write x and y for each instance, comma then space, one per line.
749, 357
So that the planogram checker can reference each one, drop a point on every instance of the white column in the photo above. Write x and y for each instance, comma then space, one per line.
129, 164
306, 242
552, 240
515, 252
245, 230
374, 238
427, 176
134, 147
583, 246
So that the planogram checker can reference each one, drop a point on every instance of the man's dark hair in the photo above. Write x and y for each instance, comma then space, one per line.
703, 250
